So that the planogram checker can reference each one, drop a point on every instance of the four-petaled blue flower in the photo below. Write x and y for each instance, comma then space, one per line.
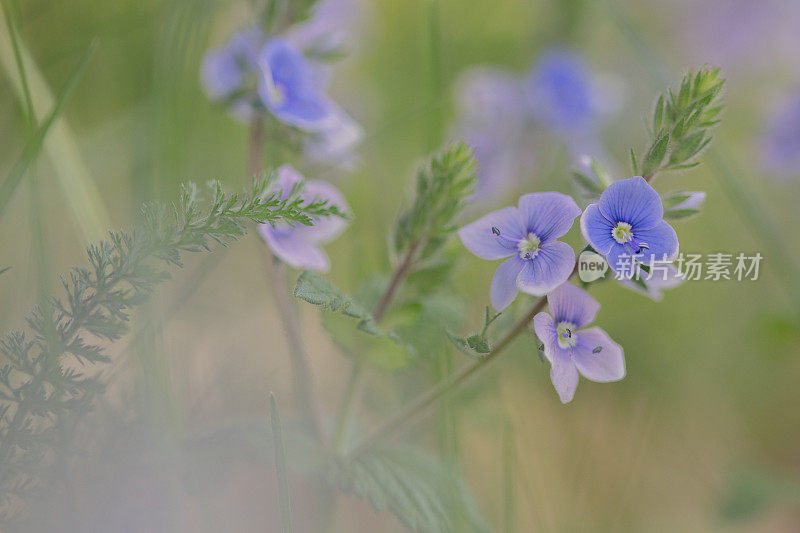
571, 350
298, 245
627, 225
291, 89
537, 262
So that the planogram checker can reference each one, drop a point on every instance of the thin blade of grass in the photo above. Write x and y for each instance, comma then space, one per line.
34, 145
79, 189
284, 499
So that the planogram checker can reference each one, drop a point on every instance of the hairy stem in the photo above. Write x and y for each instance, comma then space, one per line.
303, 380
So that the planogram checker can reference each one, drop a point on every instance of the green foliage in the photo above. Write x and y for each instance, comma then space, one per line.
35, 143
476, 343
681, 123
316, 290
41, 394
425, 493
443, 186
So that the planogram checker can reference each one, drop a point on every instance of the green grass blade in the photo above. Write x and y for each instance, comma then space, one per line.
34, 145
280, 466
79, 189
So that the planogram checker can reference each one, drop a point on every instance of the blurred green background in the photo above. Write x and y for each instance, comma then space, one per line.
703, 434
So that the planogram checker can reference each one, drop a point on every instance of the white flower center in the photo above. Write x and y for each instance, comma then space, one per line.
567, 334
622, 232
277, 94
529, 246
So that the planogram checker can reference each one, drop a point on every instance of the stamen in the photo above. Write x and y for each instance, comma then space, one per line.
495, 231
597, 349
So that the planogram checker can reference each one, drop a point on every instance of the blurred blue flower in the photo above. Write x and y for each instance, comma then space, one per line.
572, 351
526, 235
227, 71
561, 92
336, 142
291, 89
781, 140
298, 245
492, 118
331, 28
627, 224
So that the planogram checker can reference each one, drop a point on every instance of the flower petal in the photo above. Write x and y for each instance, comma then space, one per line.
293, 250
661, 277
481, 241
596, 229
548, 215
564, 376
504, 286
550, 268
622, 262
572, 304
662, 243
545, 329
632, 200
606, 365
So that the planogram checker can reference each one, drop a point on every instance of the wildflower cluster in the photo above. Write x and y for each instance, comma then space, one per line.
277, 72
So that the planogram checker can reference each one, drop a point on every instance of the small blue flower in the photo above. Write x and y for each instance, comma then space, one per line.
561, 92
291, 89
225, 71
527, 235
335, 144
571, 350
626, 224
298, 245
781, 141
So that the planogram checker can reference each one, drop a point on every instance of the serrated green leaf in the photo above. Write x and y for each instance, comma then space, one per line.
586, 183
425, 493
316, 290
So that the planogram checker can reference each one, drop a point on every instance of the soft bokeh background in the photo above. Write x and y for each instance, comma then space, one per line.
703, 434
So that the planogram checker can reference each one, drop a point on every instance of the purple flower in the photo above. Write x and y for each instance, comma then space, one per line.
298, 246
492, 119
291, 89
626, 224
331, 27
537, 262
225, 71
781, 141
561, 92
335, 143
571, 350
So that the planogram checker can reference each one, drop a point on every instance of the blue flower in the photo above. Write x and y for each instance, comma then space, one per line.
781, 141
291, 89
627, 224
561, 92
537, 262
571, 350
225, 71
298, 245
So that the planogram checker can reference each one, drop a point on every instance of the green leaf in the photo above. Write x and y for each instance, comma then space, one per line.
425, 493
34, 145
675, 198
676, 214
586, 183
658, 115
316, 290
634, 165
656, 154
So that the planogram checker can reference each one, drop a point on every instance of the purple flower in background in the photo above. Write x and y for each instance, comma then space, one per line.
332, 27
626, 224
299, 246
291, 89
335, 142
561, 93
492, 119
781, 140
572, 351
226, 71
526, 235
